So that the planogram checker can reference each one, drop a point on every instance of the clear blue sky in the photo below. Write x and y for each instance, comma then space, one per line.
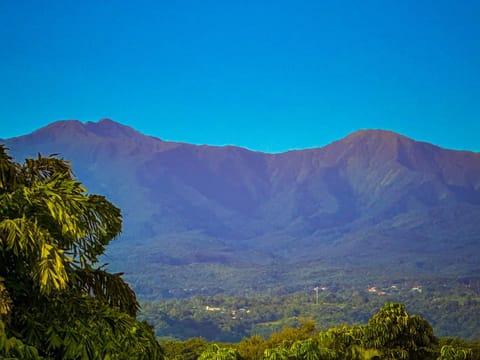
267, 75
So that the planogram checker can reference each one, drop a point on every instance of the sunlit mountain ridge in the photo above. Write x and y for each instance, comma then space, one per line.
209, 219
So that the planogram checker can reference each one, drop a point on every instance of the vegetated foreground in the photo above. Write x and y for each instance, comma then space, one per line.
56, 302
389, 334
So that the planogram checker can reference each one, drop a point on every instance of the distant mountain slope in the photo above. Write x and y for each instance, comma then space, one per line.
226, 219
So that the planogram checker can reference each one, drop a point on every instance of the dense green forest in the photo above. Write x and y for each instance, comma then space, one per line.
57, 301
391, 333
452, 306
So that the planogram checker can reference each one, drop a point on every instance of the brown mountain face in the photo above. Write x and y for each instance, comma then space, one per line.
209, 219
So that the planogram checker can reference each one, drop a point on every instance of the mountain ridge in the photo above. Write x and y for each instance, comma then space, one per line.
112, 127
374, 198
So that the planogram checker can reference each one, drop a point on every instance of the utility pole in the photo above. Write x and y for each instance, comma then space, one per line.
316, 288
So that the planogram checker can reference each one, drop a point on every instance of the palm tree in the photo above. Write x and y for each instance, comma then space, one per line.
277, 353
449, 352
215, 352
400, 336
52, 233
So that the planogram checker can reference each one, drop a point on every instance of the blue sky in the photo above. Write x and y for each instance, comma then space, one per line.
267, 75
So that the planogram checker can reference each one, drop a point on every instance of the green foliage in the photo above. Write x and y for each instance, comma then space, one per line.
288, 336
391, 333
341, 343
83, 327
55, 301
346, 342
470, 348
252, 347
215, 352
190, 349
325, 346
452, 307
13, 348
402, 336
449, 352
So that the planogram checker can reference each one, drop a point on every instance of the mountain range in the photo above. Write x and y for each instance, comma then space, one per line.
373, 206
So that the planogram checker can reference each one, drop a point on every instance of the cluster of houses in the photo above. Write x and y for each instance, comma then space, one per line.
374, 290
233, 313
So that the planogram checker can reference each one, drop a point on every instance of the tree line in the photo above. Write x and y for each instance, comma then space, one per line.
452, 307
390, 334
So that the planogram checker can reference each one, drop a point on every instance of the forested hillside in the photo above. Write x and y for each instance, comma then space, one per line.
205, 220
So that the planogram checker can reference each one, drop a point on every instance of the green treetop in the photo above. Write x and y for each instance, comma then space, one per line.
54, 298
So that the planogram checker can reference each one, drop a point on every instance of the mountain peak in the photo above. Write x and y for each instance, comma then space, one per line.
67, 127
104, 128
384, 140
377, 135
110, 128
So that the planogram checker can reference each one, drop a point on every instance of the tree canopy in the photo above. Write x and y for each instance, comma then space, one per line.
390, 334
56, 300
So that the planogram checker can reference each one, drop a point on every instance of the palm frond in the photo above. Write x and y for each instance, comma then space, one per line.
107, 287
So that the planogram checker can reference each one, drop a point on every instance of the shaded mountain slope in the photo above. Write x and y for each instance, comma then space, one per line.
210, 219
